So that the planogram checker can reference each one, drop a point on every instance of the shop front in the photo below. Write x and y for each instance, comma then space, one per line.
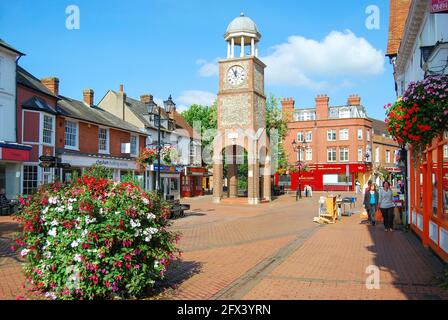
12, 156
324, 177
192, 181
121, 167
169, 180
428, 188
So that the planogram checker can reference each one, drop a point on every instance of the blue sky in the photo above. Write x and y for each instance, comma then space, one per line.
167, 47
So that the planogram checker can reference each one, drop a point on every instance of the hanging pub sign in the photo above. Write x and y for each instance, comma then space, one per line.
439, 6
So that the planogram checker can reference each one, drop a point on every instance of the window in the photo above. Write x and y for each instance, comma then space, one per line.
47, 136
368, 135
331, 154
445, 151
299, 136
134, 145
360, 154
309, 136
343, 134
387, 156
300, 155
71, 134
47, 175
103, 140
343, 154
309, 154
359, 134
377, 154
331, 135
344, 113
29, 179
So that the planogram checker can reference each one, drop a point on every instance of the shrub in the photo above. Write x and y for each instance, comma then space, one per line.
99, 171
94, 239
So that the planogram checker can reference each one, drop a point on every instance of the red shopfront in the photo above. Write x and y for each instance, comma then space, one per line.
191, 182
324, 177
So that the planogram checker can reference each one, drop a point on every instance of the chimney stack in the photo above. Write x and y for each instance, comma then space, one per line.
288, 109
88, 95
322, 104
145, 98
121, 88
354, 100
52, 83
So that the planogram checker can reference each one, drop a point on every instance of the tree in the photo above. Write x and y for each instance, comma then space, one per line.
274, 120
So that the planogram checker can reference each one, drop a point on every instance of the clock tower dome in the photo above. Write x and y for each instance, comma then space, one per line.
241, 111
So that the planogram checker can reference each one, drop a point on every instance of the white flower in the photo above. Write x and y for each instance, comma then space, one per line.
117, 212
72, 200
137, 233
148, 238
50, 295
70, 207
84, 233
88, 220
156, 264
151, 216
74, 244
101, 211
145, 201
77, 258
53, 200
135, 223
54, 223
48, 255
24, 252
60, 209
45, 211
52, 232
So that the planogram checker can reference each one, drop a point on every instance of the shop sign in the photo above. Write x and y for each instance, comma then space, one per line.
78, 161
14, 154
167, 168
439, 6
194, 171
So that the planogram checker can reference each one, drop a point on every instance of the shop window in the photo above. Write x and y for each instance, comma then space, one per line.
71, 134
47, 134
103, 140
29, 179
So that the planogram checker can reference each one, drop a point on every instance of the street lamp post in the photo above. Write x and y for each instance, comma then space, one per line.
298, 147
168, 105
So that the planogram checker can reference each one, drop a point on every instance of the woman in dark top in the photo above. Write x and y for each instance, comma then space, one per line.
371, 198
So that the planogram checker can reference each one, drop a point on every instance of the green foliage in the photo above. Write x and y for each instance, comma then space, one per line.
131, 179
97, 171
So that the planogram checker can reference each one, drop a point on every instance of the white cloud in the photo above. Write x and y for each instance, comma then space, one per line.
329, 64
208, 69
189, 97
313, 64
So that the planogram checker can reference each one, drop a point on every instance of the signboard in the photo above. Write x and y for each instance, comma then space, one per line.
14, 154
80, 161
439, 6
47, 159
167, 168
194, 171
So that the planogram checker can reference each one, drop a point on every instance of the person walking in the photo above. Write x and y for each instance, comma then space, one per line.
358, 186
386, 206
371, 200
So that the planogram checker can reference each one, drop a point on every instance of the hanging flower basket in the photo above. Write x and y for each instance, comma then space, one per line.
169, 155
420, 115
147, 157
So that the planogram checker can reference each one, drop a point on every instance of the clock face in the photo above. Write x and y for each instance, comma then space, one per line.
236, 75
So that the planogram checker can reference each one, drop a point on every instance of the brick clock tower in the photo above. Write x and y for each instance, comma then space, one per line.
242, 115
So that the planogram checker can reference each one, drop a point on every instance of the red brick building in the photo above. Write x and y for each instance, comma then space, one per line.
76, 132
338, 144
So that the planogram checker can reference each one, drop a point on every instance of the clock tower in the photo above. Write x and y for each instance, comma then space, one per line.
242, 114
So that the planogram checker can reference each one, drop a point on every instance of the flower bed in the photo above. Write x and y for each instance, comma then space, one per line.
94, 238
420, 115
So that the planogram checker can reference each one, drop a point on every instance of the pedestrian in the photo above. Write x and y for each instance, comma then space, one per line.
386, 206
371, 199
367, 188
357, 186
